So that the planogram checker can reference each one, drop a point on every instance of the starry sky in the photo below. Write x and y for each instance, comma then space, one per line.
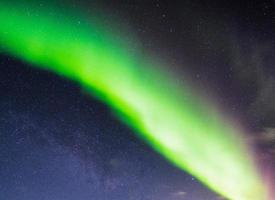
57, 142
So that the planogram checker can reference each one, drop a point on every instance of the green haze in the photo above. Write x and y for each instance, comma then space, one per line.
185, 128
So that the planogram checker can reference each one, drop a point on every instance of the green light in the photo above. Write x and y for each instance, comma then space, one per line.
189, 132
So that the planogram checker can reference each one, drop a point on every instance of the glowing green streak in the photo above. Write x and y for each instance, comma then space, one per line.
188, 132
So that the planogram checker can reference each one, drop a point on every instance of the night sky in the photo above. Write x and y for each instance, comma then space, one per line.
59, 143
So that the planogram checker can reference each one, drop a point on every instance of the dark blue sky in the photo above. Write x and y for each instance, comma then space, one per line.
58, 143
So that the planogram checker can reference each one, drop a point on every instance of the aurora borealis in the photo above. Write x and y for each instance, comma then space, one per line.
185, 128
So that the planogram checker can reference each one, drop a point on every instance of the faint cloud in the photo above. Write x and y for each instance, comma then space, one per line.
179, 194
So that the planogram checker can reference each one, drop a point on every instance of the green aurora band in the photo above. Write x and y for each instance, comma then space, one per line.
187, 130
